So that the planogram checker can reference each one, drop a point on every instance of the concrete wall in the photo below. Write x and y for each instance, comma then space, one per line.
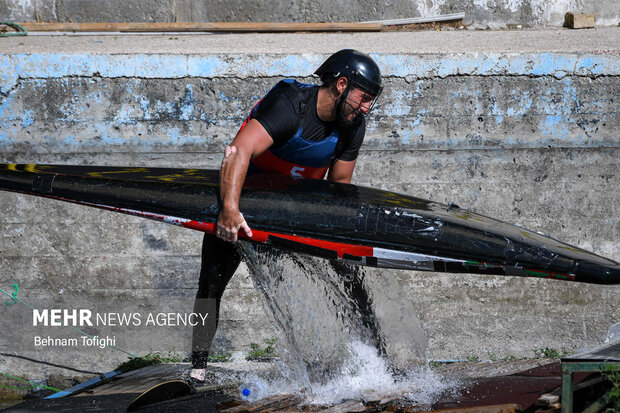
480, 13
529, 137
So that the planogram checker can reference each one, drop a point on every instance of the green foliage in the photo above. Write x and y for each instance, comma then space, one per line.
260, 353
613, 376
135, 363
472, 357
510, 358
548, 353
434, 364
220, 357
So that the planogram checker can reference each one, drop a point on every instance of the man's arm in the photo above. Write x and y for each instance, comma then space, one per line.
251, 141
341, 171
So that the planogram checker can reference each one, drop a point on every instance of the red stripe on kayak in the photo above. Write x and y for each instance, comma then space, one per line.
338, 247
263, 236
257, 235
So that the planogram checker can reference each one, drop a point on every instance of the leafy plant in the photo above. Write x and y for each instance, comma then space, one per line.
549, 353
613, 376
260, 353
135, 363
220, 357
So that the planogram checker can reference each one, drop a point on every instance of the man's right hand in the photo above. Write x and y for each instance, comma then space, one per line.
229, 222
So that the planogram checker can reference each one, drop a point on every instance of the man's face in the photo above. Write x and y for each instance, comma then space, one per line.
356, 104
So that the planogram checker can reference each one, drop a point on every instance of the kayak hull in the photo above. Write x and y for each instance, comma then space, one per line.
356, 224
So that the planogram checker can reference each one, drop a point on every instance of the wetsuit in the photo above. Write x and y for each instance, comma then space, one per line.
303, 145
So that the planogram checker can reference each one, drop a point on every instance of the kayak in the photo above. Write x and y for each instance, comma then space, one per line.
355, 224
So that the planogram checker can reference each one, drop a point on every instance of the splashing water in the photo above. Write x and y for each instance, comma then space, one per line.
365, 371
340, 335
613, 333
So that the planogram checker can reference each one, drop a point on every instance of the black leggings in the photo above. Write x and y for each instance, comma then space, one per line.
220, 260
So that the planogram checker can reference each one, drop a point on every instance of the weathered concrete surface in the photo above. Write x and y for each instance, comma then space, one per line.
251, 45
479, 13
456, 112
521, 126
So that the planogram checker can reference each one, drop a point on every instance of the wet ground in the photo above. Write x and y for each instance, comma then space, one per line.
474, 384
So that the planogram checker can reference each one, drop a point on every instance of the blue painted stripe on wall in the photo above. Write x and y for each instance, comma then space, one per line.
55, 65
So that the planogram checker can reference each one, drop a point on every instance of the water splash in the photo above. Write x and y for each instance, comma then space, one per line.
341, 332
364, 373
367, 372
613, 333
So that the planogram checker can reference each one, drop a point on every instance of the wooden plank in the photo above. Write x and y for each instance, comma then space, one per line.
283, 404
228, 405
85, 385
348, 406
305, 407
137, 376
135, 387
132, 380
137, 371
148, 371
265, 404
145, 370
233, 27
387, 401
375, 400
371, 398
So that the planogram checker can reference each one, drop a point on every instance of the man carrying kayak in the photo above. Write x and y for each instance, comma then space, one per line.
297, 129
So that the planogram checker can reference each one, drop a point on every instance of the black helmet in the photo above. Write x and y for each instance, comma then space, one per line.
356, 66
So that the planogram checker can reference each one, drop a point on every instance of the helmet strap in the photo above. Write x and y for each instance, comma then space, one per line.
340, 105
342, 99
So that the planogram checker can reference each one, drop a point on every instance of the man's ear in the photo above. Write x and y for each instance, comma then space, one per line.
341, 84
